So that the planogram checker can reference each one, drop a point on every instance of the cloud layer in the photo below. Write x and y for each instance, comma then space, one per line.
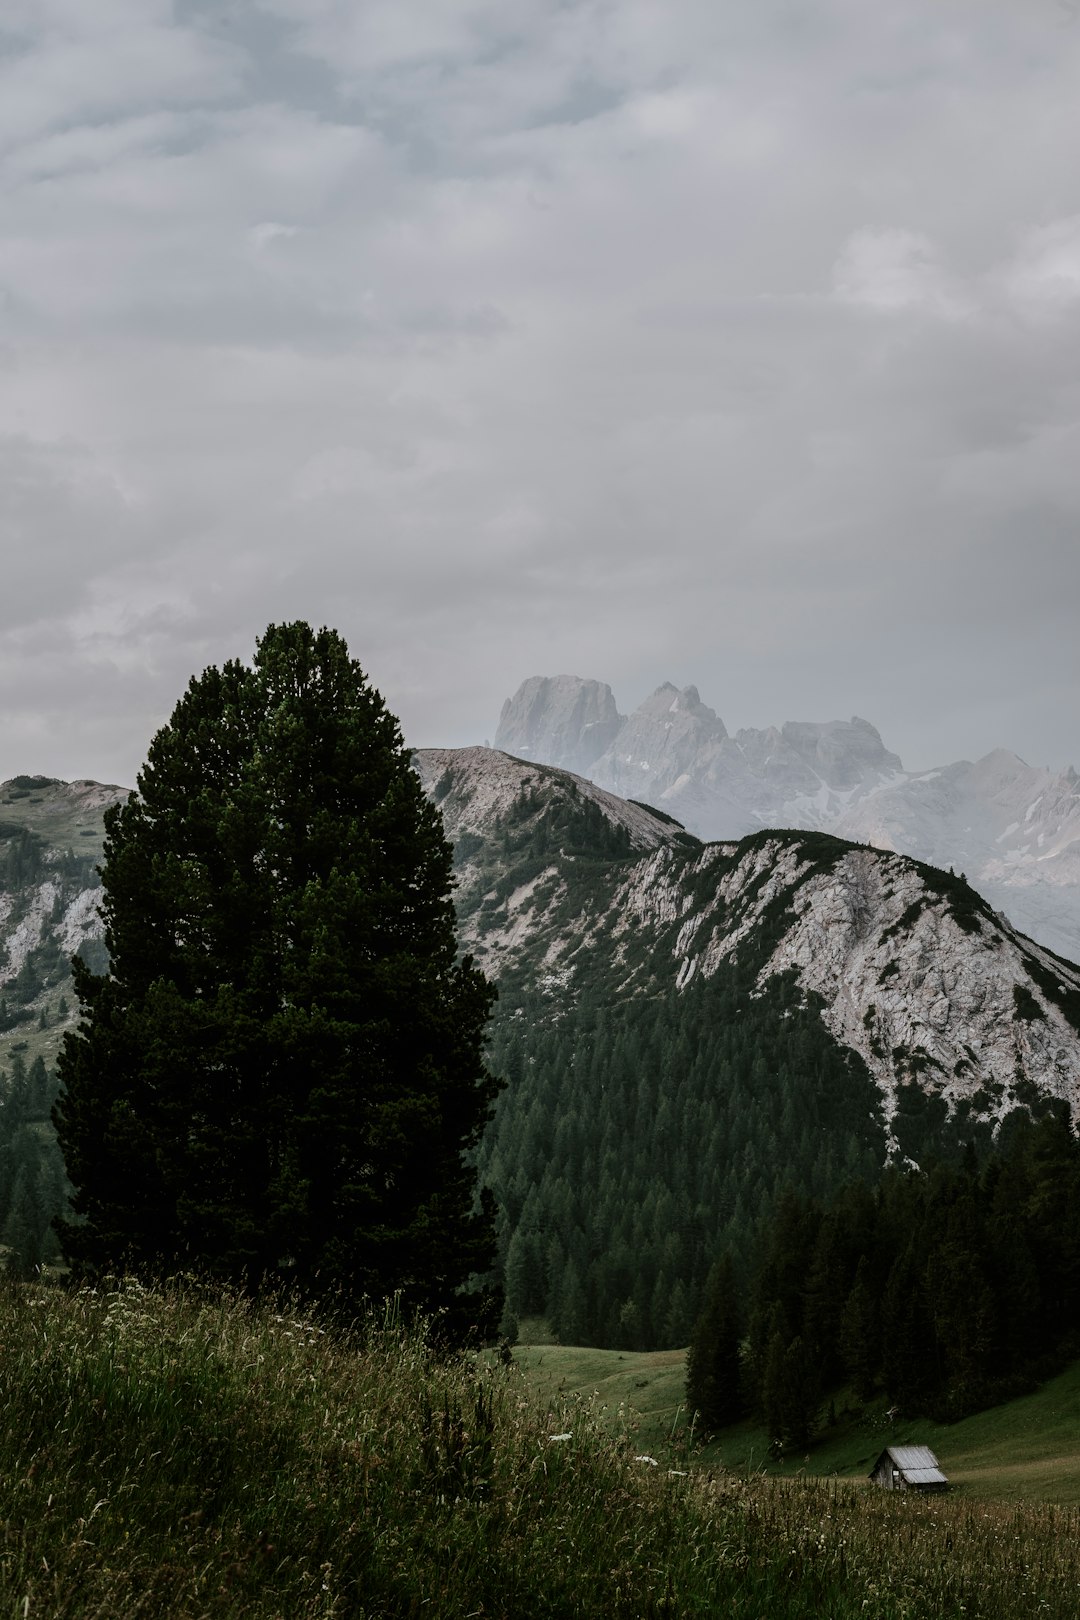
732, 345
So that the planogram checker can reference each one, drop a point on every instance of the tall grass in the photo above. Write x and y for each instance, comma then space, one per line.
180, 1454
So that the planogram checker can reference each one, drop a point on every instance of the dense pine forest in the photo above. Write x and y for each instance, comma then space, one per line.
947, 1289
635, 1140
33, 1185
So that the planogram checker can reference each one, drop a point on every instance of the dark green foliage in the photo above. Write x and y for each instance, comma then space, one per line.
947, 1289
1062, 995
966, 906
857, 1332
647, 1132
22, 860
662, 815
713, 1362
1027, 1008
790, 1391
33, 1187
281, 1071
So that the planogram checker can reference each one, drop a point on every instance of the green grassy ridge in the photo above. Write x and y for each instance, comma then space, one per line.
1026, 1450
188, 1454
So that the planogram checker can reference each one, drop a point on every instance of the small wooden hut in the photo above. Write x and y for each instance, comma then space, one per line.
908, 1468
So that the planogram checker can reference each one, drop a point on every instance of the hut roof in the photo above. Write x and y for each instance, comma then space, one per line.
918, 1464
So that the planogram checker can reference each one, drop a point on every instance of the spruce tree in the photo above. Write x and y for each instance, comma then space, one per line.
280, 1075
713, 1364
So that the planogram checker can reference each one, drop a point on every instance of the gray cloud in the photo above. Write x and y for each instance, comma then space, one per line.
726, 345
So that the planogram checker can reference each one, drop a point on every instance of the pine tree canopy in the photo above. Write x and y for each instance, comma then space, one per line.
281, 1073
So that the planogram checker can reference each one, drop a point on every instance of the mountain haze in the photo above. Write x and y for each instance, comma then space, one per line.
1014, 829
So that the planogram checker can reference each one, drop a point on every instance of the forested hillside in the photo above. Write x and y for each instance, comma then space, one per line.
689, 1030
638, 1137
945, 1290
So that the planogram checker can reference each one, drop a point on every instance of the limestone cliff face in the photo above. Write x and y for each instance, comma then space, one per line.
50, 845
561, 720
1014, 829
909, 967
950, 999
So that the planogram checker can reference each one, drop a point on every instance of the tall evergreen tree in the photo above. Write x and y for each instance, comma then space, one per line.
713, 1370
281, 1072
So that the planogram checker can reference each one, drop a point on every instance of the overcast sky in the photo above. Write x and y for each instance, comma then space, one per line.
726, 343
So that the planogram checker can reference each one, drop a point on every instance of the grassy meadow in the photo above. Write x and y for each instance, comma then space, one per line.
189, 1454
1027, 1450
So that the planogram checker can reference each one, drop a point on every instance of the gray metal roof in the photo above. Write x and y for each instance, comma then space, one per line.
918, 1465
906, 1457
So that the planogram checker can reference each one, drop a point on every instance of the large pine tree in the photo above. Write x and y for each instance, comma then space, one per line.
281, 1073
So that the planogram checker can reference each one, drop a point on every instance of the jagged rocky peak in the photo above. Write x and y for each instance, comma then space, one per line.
668, 736
1013, 828
844, 753
672, 706
560, 719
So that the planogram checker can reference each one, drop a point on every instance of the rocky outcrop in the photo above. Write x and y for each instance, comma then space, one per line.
1013, 829
50, 845
560, 720
910, 968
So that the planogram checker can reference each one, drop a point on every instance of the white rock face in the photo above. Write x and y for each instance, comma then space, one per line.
927, 987
28, 931
1014, 830
475, 786
559, 719
81, 921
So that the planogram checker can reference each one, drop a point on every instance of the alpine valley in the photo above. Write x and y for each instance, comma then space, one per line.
686, 1029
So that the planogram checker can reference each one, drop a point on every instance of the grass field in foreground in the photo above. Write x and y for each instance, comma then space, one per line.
1027, 1450
196, 1455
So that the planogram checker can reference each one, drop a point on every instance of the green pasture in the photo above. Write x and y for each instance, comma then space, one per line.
1027, 1450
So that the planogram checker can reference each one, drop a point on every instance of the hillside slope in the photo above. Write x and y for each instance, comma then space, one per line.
912, 970
688, 1029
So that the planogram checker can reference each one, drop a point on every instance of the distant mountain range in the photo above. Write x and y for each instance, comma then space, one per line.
1014, 830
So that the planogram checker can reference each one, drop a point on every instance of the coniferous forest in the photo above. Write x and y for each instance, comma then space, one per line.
635, 1140
946, 1289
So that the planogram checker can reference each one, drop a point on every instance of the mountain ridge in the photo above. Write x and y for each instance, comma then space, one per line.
686, 1028
917, 974
1013, 828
